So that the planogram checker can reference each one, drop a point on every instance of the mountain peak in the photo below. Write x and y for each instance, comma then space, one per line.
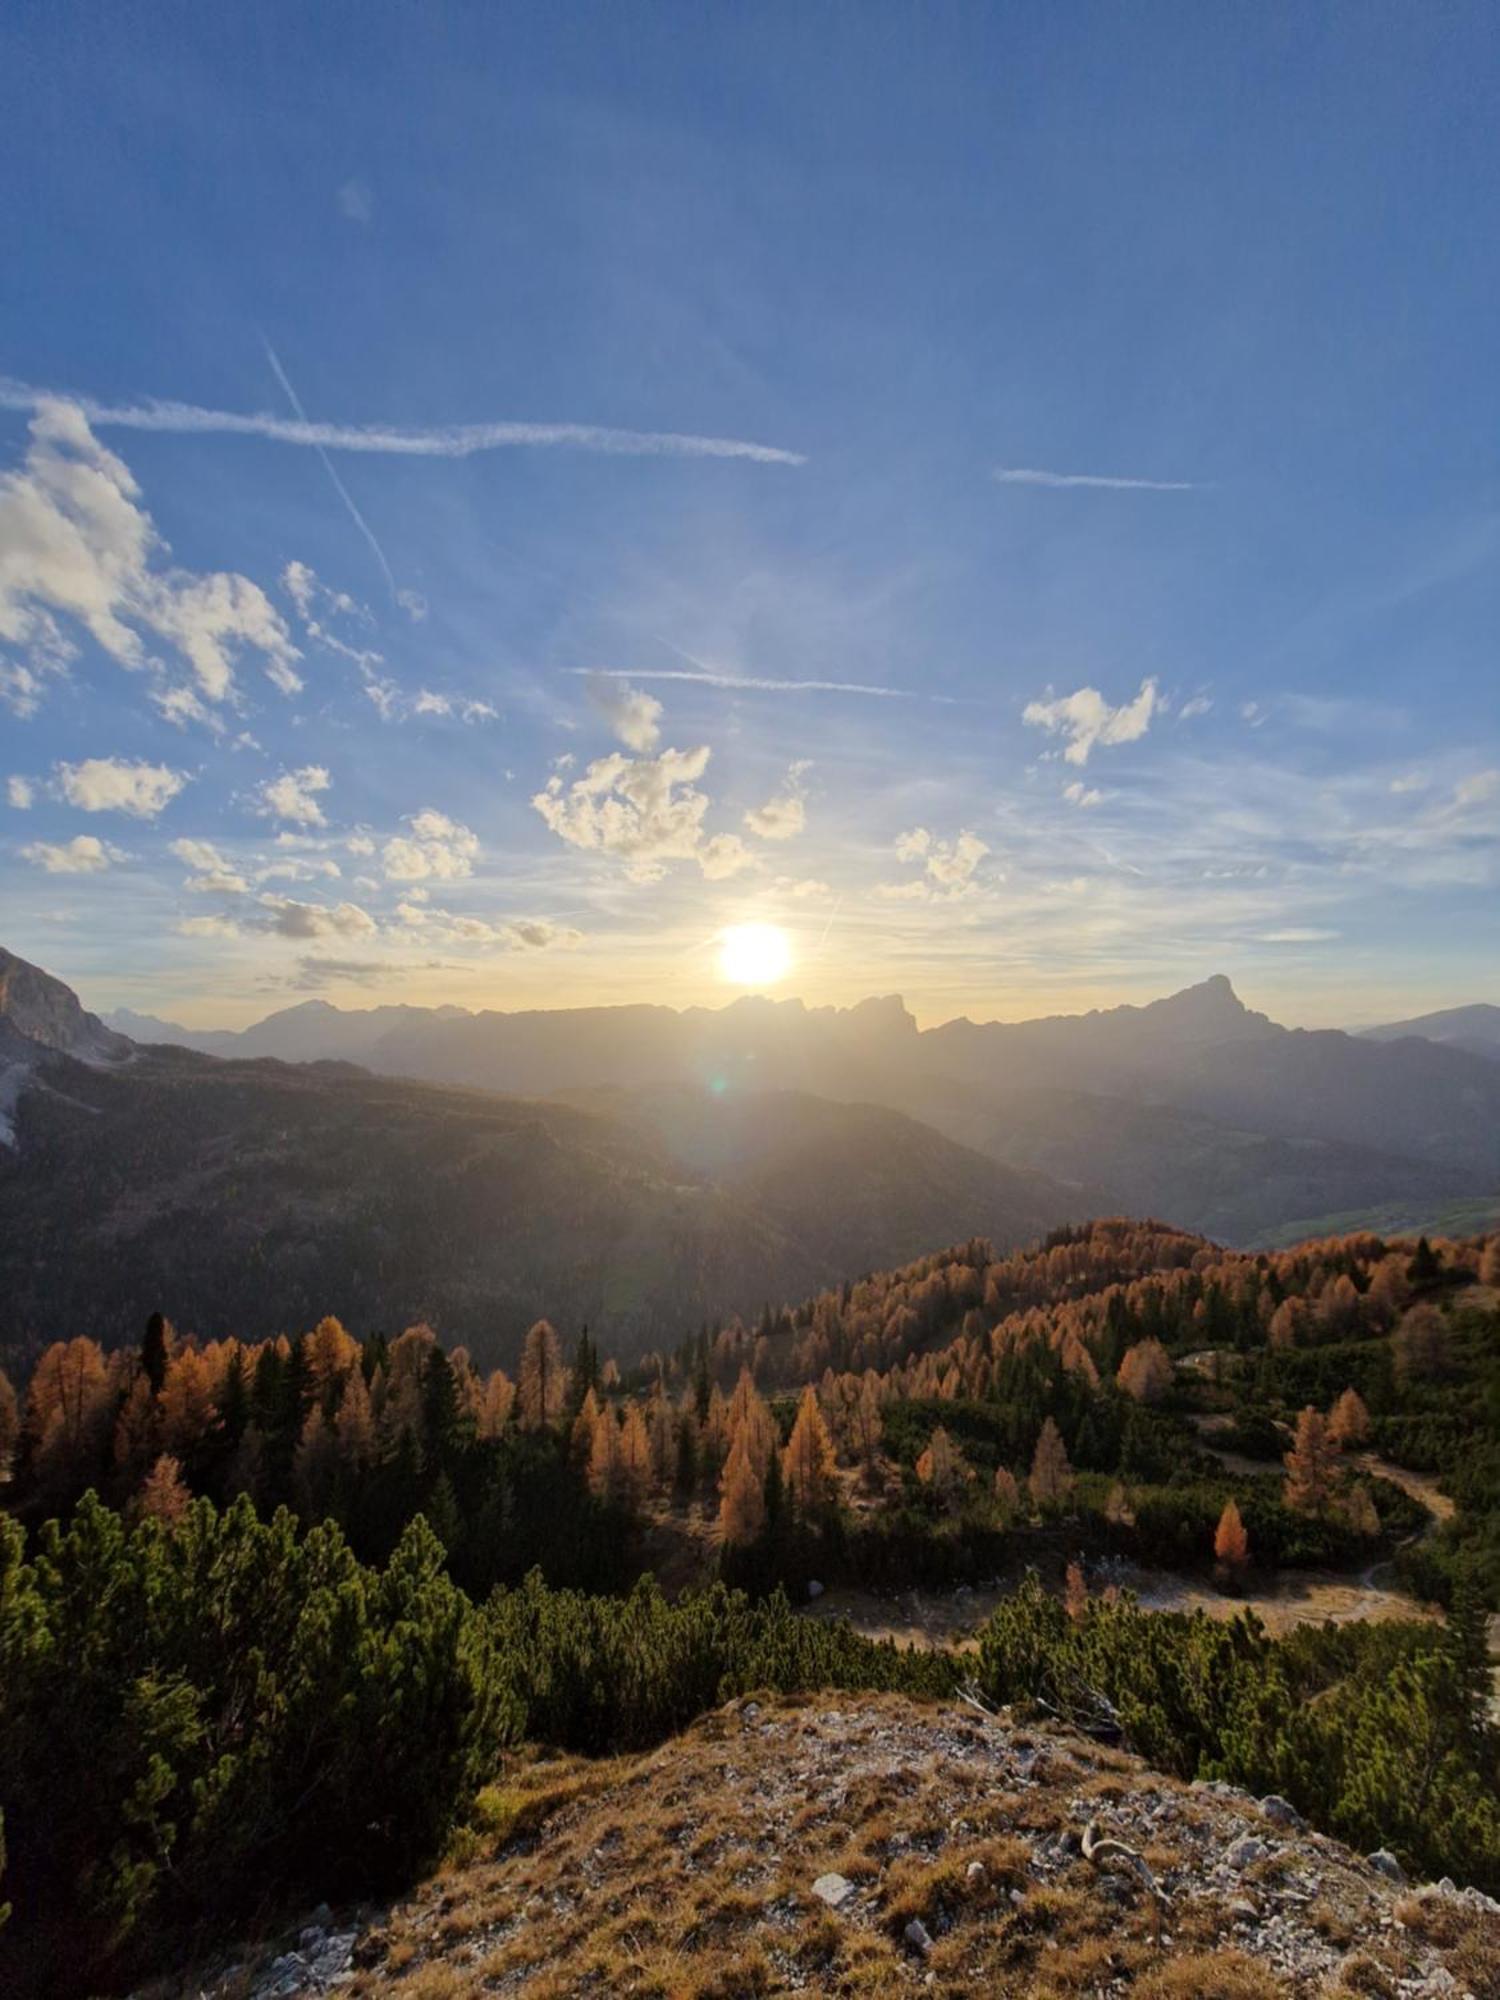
39, 1009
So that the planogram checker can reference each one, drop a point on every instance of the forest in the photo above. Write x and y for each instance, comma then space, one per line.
227, 1568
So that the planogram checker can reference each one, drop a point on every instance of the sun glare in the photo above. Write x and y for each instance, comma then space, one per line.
754, 954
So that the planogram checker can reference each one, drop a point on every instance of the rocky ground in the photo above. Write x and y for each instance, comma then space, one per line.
871, 1845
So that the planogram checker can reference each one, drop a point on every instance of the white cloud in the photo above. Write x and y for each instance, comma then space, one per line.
514, 934
293, 795
445, 441
759, 684
430, 702
1086, 719
645, 811
1198, 704
289, 918
192, 927
214, 874
947, 866
356, 202
75, 544
437, 848
82, 855
20, 793
1298, 934
785, 813
21, 689
300, 868
633, 716
1080, 794
806, 891
110, 784
1030, 475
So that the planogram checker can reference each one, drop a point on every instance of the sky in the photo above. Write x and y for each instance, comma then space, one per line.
491, 499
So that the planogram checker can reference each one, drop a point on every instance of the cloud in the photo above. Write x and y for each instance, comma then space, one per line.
428, 702
806, 891
20, 793
1083, 795
1298, 934
437, 848
203, 927
82, 855
644, 811
110, 784
514, 934
213, 875
293, 796
286, 917
443, 441
76, 545
300, 868
947, 866
1087, 720
634, 717
1030, 475
785, 813
1198, 704
356, 202
1484, 785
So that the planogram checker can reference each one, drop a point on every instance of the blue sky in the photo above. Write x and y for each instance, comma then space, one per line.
431, 393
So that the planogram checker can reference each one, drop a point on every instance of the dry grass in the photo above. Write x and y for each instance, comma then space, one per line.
686, 1874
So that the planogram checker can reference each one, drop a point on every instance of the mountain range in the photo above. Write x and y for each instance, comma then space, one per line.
646, 1169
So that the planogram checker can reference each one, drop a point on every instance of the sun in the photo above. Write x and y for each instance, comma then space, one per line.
754, 954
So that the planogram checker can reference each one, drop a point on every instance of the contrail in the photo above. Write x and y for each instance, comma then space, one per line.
338, 485
757, 684
1030, 475
442, 441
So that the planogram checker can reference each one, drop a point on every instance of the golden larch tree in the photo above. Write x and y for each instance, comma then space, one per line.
1349, 1420
1146, 1371
941, 1466
1051, 1474
164, 1497
1311, 1465
1007, 1494
742, 1505
604, 1456
542, 1384
581, 1437
808, 1464
354, 1425
495, 1407
1075, 1594
634, 1482
1231, 1543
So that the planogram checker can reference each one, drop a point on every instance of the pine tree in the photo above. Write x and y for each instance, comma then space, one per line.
1361, 1513
354, 1425
584, 1374
540, 1391
1426, 1267
808, 1464
10, 1421
1421, 1346
1051, 1475
1311, 1465
155, 1349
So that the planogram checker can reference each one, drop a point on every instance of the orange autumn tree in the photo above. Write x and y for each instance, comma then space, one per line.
1349, 1420
540, 1392
1146, 1372
1051, 1474
808, 1464
742, 1505
164, 1497
1311, 1465
1231, 1543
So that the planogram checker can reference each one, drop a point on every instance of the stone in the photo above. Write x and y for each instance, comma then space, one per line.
918, 1937
1281, 1811
814, 1588
974, 1874
1385, 1863
834, 1890
1246, 1851
1244, 1911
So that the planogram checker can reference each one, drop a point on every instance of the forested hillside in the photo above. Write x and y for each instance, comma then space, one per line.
1122, 1394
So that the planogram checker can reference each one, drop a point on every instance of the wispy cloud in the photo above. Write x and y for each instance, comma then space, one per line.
1032, 475
441, 441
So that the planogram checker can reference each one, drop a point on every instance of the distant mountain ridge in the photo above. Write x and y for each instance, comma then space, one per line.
252, 1196
1475, 1028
